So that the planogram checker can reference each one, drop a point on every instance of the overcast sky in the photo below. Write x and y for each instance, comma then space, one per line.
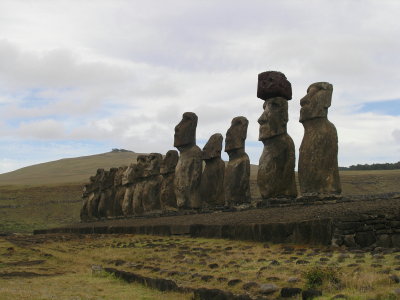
82, 77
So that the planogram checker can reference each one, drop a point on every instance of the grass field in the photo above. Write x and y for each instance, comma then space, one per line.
60, 267
49, 194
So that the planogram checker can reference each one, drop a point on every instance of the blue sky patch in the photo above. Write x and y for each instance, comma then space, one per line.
388, 107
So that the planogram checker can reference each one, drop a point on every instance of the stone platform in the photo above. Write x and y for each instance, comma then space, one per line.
363, 222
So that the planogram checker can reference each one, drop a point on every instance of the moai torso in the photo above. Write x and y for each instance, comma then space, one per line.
119, 191
237, 171
189, 167
318, 164
167, 191
275, 177
152, 183
138, 187
94, 194
129, 180
106, 203
212, 179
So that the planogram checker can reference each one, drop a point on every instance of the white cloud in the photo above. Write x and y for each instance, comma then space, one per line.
123, 72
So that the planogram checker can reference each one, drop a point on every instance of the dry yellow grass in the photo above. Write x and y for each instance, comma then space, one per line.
187, 261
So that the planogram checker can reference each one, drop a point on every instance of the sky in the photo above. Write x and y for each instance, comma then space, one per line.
82, 77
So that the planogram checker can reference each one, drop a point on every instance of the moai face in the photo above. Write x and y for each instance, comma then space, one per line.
119, 175
213, 147
185, 131
169, 162
153, 162
273, 84
236, 134
274, 118
317, 101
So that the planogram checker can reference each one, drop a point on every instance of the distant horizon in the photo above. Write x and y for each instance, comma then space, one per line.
132, 151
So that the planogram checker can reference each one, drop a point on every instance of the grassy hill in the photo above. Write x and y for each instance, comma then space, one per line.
49, 194
67, 170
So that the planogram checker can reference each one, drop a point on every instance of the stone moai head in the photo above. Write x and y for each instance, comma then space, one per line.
274, 119
153, 163
273, 84
213, 147
119, 176
169, 162
317, 101
128, 175
185, 131
236, 134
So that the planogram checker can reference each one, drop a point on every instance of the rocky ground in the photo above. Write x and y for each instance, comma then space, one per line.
65, 266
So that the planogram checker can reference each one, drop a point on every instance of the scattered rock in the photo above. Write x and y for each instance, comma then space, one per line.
288, 292
293, 280
273, 278
302, 262
234, 282
274, 263
207, 278
213, 266
394, 278
267, 289
250, 285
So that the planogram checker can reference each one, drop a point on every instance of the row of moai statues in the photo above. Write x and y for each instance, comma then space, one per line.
157, 184
318, 171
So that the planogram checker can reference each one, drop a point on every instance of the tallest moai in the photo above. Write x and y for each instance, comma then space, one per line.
318, 163
275, 178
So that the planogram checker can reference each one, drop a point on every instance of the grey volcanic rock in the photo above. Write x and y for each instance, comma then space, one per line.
276, 177
140, 182
94, 194
91, 197
167, 191
128, 183
189, 168
119, 191
318, 164
237, 172
212, 179
106, 203
152, 183
273, 84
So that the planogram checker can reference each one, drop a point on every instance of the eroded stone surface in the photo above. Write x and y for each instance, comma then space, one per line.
273, 84
318, 164
276, 177
152, 183
106, 204
189, 168
237, 171
212, 180
167, 190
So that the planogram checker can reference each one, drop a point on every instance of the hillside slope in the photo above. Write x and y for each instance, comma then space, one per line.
67, 170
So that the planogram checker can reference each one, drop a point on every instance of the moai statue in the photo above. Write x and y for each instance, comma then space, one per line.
237, 172
189, 167
88, 189
94, 194
140, 182
276, 177
212, 179
167, 191
128, 181
120, 190
152, 183
106, 203
318, 163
